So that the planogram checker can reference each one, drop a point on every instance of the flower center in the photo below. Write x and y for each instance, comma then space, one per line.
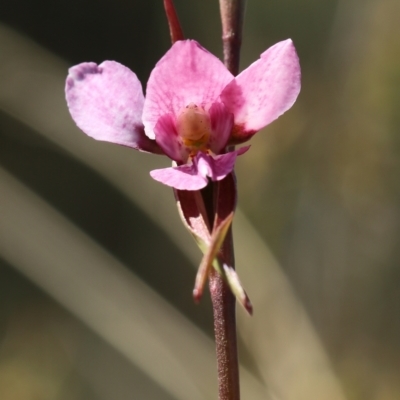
194, 127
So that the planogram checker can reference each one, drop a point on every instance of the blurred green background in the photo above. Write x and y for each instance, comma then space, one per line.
96, 272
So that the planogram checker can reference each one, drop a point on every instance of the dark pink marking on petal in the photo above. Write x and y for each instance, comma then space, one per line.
168, 139
221, 127
265, 90
186, 74
106, 102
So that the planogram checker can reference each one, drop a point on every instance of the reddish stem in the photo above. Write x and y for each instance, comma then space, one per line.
225, 329
232, 12
223, 301
175, 28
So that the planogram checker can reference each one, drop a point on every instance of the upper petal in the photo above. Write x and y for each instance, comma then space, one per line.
186, 74
106, 102
264, 91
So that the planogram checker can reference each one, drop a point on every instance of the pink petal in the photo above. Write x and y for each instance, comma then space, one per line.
184, 177
221, 127
168, 139
223, 164
186, 74
194, 176
264, 91
106, 102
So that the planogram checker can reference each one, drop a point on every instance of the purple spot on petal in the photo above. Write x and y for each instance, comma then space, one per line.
70, 83
80, 71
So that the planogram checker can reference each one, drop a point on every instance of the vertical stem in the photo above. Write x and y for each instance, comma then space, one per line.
232, 12
175, 28
222, 298
225, 329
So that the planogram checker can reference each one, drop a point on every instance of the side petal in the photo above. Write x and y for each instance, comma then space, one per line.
168, 139
184, 177
218, 167
106, 102
221, 127
264, 91
186, 74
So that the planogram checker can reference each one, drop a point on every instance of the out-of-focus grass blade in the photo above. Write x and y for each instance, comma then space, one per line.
66, 263
94, 286
289, 352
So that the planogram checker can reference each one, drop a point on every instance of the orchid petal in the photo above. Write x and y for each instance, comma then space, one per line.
221, 127
186, 74
264, 91
184, 177
106, 102
223, 164
168, 139
194, 176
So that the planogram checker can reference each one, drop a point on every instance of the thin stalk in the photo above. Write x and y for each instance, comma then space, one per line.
232, 13
223, 301
175, 28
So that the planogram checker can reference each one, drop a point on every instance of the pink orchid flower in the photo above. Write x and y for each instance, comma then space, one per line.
194, 107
